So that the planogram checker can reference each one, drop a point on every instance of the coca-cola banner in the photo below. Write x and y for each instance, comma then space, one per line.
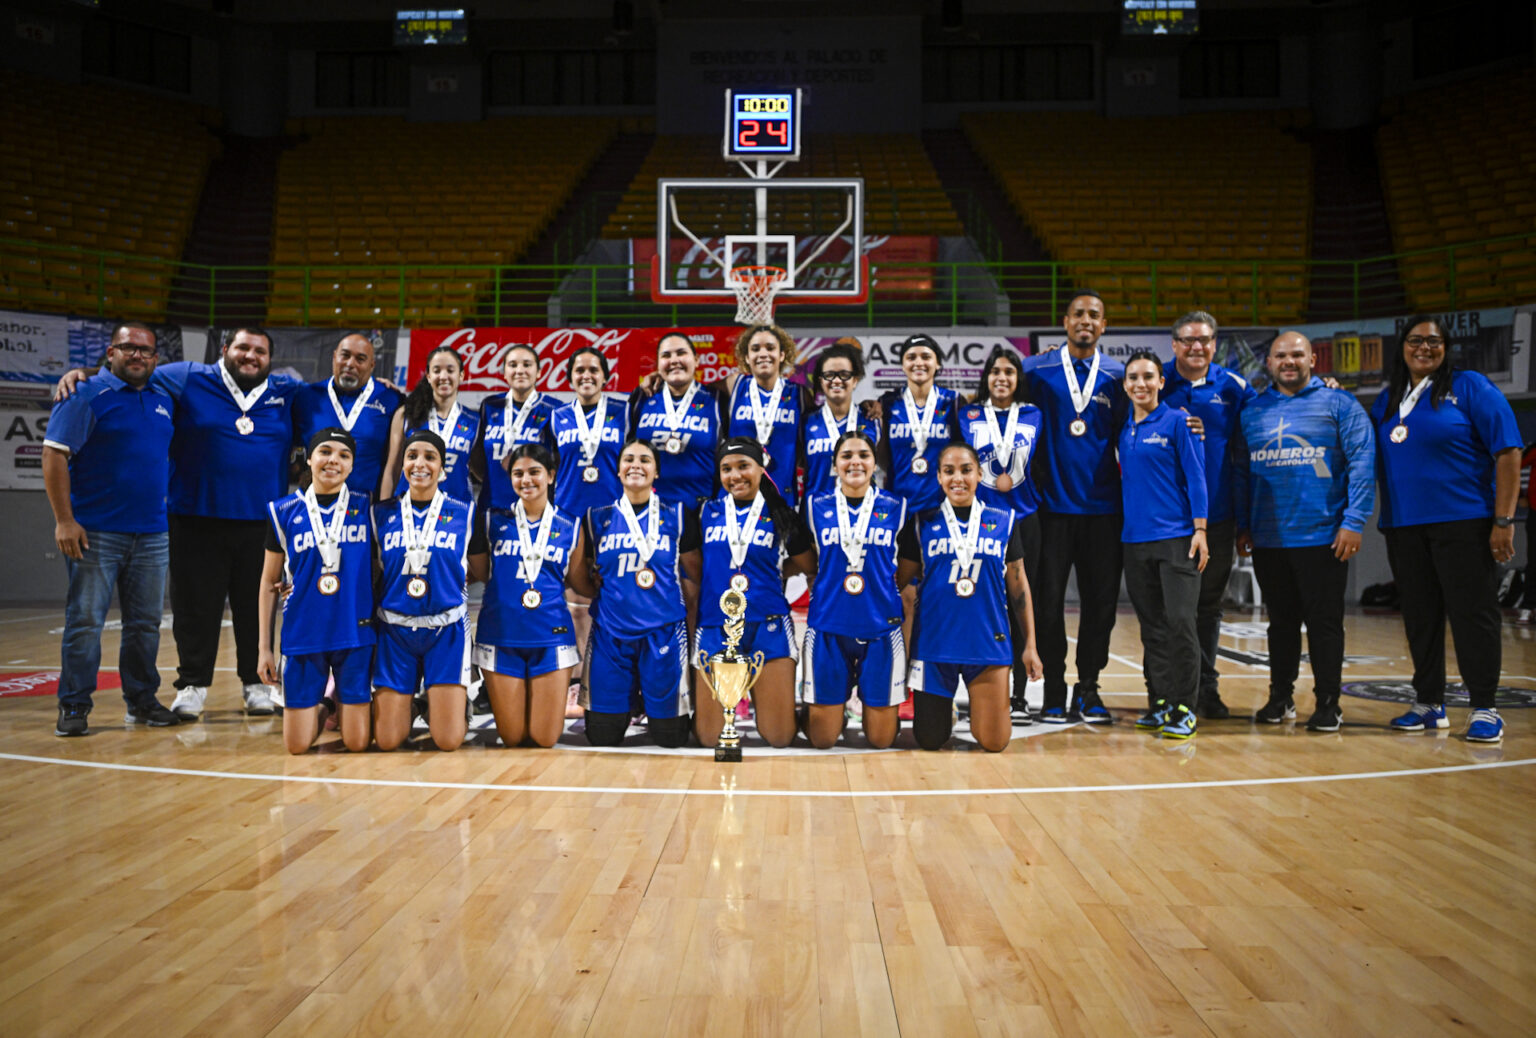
631, 354
693, 268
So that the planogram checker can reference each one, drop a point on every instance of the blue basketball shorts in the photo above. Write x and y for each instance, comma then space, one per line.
834, 664
530, 662
647, 672
773, 637
942, 679
409, 657
305, 677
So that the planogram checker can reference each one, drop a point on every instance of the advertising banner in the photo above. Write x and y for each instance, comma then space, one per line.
89, 337
21, 463
33, 347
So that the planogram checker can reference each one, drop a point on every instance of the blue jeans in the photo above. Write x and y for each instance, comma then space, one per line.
134, 564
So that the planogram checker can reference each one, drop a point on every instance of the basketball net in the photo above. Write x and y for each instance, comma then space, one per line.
755, 288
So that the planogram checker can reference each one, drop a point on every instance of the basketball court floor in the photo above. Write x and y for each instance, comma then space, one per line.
1257, 880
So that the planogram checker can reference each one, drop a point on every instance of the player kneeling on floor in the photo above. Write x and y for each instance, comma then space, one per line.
637, 654
423, 631
319, 544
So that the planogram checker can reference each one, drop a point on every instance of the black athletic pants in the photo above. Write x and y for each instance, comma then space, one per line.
1446, 570
1091, 544
1221, 539
1164, 585
213, 560
1030, 528
1303, 586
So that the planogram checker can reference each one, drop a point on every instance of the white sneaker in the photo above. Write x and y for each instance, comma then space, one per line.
258, 701
189, 701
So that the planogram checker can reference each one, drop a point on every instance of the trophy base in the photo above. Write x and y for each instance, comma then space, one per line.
728, 754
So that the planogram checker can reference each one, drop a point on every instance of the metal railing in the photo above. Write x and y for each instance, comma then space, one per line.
37, 275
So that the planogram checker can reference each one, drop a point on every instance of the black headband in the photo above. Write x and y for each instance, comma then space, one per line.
426, 436
740, 445
334, 434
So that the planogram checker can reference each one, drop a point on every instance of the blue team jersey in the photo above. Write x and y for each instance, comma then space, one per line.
783, 445
497, 492
446, 568
1218, 401
314, 621
820, 477
1443, 470
763, 565
216, 470
1162, 472
687, 478
460, 441
920, 490
1023, 499
949, 628
118, 439
505, 621
1077, 475
1306, 467
573, 494
877, 608
622, 606
313, 411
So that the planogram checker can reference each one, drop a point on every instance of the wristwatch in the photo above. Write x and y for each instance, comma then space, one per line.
1502, 521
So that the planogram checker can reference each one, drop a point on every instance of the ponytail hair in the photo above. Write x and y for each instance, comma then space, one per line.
420, 401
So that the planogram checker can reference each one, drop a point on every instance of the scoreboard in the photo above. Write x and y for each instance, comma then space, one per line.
430, 25
762, 124
1159, 17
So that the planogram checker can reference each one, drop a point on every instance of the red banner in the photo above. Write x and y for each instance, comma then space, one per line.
695, 268
631, 353
46, 683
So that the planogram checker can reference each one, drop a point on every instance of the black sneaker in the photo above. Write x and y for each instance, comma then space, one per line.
1326, 718
1276, 711
481, 703
1087, 705
151, 713
72, 719
1021, 715
1212, 708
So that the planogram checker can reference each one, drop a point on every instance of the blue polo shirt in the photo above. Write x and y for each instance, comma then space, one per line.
1162, 477
1305, 468
1443, 470
1077, 475
215, 470
1217, 401
118, 439
313, 411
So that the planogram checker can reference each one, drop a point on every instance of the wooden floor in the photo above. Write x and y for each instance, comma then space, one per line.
1259, 880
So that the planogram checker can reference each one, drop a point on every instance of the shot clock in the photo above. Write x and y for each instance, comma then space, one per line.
761, 124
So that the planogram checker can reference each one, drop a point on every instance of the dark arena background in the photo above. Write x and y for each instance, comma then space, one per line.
489, 175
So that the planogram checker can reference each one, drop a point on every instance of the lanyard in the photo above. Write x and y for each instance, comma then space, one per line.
590, 436
348, 416
418, 543
327, 538
851, 532
1082, 395
645, 544
530, 549
739, 537
964, 542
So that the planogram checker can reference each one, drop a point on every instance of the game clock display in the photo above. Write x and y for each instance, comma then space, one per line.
762, 125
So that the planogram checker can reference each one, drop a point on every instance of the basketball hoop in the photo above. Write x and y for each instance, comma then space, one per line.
755, 288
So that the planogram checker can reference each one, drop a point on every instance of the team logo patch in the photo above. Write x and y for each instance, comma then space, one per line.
1504, 697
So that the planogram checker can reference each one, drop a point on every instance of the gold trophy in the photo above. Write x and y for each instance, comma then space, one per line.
733, 674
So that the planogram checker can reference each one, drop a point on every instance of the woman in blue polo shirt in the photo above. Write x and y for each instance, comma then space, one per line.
1162, 482
1448, 462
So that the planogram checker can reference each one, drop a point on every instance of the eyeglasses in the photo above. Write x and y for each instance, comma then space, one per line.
134, 351
1434, 342
837, 376
1196, 340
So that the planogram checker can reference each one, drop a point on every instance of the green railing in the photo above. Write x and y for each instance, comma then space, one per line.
45, 276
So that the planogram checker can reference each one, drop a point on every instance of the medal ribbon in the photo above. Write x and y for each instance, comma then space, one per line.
532, 550
444, 426
1003, 438
764, 413
1082, 395
348, 417
645, 543
590, 437
418, 543
327, 538
244, 401
965, 542
851, 535
1405, 408
674, 415
511, 429
740, 537
920, 418
832, 430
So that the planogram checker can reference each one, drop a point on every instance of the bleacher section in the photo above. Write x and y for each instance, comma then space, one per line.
1458, 164
90, 167
364, 191
1203, 195
902, 193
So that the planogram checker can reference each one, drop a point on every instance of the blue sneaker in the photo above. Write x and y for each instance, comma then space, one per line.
1091, 709
1055, 715
1180, 724
1421, 716
1155, 717
1485, 726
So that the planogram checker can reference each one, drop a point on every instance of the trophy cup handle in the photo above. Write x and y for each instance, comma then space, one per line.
703, 672
754, 671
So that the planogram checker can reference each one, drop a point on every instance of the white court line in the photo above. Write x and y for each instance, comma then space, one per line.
1138, 787
24, 619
